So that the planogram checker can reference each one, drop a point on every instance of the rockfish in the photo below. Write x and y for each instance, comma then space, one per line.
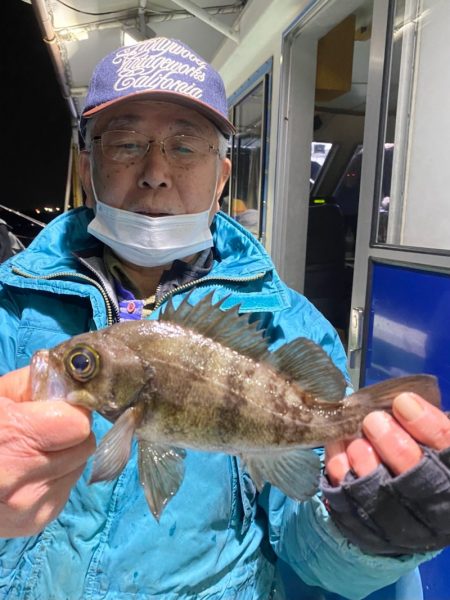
202, 377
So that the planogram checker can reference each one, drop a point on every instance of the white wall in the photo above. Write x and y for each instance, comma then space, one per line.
261, 28
427, 218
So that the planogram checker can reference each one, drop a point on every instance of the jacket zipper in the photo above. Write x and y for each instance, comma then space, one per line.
111, 311
110, 308
198, 282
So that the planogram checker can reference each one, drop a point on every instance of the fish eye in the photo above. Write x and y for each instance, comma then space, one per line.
82, 363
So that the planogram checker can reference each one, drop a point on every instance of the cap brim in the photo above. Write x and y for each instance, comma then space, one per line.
225, 126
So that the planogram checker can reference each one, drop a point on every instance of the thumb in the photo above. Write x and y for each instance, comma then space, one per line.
424, 422
16, 385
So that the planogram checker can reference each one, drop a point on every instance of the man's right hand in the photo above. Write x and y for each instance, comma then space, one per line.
44, 447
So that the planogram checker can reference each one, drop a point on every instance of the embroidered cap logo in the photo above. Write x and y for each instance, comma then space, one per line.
159, 69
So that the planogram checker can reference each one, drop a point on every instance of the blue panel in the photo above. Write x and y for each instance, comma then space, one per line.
409, 328
409, 333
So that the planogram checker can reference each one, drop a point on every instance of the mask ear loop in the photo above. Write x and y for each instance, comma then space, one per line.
91, 172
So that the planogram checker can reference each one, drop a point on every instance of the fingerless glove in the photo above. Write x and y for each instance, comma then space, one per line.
407, 514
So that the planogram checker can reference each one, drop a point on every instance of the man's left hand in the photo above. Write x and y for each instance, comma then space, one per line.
389, 491
391, 441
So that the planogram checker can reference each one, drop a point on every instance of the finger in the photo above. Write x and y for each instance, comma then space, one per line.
396, 448
336, 462
33, 506
54, 500
16, 385
60, 463
362, 457
47, 466
50, 426
426, 423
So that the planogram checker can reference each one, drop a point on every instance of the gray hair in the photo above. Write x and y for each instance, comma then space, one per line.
222, 141
88, 133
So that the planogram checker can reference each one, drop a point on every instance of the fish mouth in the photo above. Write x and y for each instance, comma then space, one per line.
46, 383
82, 398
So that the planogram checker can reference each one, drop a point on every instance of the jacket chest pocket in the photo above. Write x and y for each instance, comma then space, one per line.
243, 497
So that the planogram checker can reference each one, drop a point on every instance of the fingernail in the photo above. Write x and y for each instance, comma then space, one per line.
363, 458
377, 424
408, 407
337, 468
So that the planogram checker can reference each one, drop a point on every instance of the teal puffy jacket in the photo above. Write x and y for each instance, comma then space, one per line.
217, 538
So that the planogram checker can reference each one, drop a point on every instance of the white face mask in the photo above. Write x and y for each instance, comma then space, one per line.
150, 241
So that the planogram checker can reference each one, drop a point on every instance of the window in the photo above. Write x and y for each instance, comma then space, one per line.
412, 195
247, 191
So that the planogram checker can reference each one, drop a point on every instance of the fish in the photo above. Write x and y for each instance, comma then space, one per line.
201, 377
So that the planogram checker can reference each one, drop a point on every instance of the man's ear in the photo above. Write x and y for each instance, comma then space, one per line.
225, 170
84, 167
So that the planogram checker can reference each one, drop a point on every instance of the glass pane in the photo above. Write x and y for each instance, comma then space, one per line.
319, 154
245, 203
415, 157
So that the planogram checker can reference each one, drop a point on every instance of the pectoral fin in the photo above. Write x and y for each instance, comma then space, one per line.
161, 471
295, 472
113, 451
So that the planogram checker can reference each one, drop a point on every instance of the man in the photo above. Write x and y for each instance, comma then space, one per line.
153, 170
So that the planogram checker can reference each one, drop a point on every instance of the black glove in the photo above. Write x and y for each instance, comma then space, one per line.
407, 514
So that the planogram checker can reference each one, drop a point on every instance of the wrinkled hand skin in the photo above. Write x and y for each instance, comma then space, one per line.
392, 440
44, 447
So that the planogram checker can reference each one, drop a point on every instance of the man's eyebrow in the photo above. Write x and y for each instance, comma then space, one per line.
133, 120
194, 127
123, 120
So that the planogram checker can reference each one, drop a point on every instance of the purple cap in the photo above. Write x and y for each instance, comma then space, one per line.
161, 69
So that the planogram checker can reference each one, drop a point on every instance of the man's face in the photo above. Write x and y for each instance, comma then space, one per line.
153, 185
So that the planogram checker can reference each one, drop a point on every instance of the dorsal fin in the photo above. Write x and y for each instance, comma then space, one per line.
225, 327
311, 367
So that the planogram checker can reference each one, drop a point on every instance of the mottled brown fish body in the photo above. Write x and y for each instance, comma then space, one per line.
210, 397
204, 378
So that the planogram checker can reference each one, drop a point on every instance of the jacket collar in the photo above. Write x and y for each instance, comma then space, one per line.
239, 257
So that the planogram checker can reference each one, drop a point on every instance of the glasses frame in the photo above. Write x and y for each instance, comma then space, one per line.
150, 143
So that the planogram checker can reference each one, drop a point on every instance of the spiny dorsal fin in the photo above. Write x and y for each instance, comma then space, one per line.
225, 327
311, 367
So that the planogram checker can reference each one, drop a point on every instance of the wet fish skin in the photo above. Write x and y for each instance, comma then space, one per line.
204, 379
197, 393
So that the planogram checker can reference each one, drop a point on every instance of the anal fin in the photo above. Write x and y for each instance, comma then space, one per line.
295, 472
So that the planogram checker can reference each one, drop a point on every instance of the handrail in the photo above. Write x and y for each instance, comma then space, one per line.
19, 214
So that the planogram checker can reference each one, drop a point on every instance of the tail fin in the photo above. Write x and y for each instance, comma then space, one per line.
380, 396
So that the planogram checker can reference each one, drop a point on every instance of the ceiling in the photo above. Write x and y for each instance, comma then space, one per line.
87, 30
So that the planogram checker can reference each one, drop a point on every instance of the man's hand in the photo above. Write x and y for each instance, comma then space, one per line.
44, 447
391, 441
389, 491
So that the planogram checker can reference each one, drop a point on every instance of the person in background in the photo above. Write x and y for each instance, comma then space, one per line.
153, 167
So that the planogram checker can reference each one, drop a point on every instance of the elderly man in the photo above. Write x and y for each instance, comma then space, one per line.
153, 168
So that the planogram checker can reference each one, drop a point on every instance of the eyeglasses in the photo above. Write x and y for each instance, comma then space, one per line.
129, 146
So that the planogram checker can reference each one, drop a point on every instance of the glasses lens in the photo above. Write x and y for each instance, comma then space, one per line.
124, 146
186, 148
